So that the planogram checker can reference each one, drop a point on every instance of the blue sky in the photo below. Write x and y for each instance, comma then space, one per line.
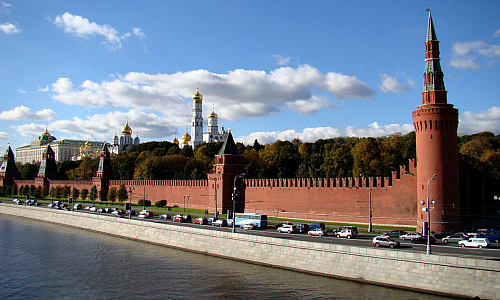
272, 69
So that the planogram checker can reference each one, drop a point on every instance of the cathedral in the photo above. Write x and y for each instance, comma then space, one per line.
125, 141
197, 136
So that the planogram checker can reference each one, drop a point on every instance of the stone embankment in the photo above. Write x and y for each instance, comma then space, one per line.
433, 273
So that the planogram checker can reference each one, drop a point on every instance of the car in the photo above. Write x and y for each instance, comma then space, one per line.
181, 218
77, 206
283, 223
386, 241
348, 233
17, 201
475, 242
453, 238
287, 229
165, 217
145, 214
93, 208
423, 240
220, 223
200, 221
354, 229
317, 231
443, 234
410, 236
248, 226
302, 228
395, 233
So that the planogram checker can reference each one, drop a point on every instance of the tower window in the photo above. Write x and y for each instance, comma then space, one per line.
431, 136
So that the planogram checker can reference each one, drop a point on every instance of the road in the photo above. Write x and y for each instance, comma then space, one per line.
361, 240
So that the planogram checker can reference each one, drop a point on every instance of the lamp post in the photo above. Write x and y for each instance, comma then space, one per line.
428, 209
130, 189
235, 192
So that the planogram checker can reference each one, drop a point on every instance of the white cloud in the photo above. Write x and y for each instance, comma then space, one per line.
104, 126
25, 113
280, 60
237, 94
466, 54
392, 84
4, 135
309, 106
21, 91
10, 28
313, 134
44, 89
6, 7
82, 27
138, 33
497, 33
488, 120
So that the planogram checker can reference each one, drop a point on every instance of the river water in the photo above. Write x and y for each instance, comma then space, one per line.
45, 261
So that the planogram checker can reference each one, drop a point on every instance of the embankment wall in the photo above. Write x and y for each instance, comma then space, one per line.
433, 273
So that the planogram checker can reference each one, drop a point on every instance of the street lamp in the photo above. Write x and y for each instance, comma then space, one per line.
235, 192
428, 209
130, 189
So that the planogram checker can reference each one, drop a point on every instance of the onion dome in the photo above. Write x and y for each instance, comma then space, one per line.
213, 114
186, 138
175, 141
197, 98
46, 137
126, 129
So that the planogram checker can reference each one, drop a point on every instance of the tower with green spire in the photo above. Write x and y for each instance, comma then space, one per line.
8, 169
436, 123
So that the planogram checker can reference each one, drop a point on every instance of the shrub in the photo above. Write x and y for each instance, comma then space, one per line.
144, 202
161, 203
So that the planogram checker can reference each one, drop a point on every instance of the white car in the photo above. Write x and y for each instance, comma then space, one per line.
346, 233
317, 231
474, 242
248, 226
287, 229
410, 236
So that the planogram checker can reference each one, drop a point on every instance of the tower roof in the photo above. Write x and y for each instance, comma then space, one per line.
126, 129
197, 97
229, 147
431, 33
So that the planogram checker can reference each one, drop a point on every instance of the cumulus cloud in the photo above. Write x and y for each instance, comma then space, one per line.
391, 84
280, 60
497, 33
488, 120
313, 134
237, 94
466, 54
104, 126
25, 113
6, 7
82, 27
4, 135
10, 28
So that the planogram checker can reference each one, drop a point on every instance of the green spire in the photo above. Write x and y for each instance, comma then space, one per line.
431, 33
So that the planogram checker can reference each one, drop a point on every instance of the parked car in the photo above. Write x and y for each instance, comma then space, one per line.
410, 236
474, 242
354, 229
248, 226
386, 241
316, 225
200, 221
77, 206
282, 223
302, 228
165, 217
395, 233
17, 201
181, 218
287, 229
220, 223
422, 240
145, 214
317, 231
93, 208
453, 238
347, 233
443, 234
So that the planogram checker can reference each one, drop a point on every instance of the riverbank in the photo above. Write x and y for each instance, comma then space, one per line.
431, 273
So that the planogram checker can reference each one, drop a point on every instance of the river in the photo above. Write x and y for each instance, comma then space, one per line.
45, 261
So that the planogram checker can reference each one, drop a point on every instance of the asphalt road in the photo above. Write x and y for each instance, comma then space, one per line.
361, 240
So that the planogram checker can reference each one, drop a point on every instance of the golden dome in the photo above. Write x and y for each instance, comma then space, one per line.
126, 129
213, 114
186, 138
197, 97
87, 144
175, 141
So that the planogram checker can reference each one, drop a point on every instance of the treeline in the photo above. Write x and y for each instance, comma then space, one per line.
325, 158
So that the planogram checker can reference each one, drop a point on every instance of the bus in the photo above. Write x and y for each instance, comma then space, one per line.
257, 220
492, 235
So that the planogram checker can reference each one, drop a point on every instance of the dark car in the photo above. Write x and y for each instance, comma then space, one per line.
395, 233
443, 234
422, 240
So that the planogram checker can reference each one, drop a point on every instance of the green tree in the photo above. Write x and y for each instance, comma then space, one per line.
112, 193
84, 193
338, 161
103, 195
279, 160
93, 193
66, 191
121, 193
28, 170
38, 192
45, 191
367, 158
14, 189
75, 193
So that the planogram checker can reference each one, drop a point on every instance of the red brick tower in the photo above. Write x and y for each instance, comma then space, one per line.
436, 123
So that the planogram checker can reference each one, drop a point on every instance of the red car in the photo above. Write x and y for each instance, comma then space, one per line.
200, 221
182, 218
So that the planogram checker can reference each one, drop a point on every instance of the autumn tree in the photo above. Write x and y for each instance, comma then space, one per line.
367, 158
